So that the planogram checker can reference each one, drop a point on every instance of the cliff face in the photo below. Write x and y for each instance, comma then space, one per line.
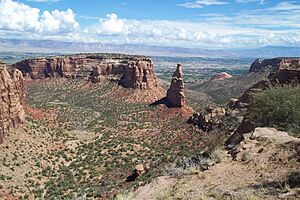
275, 64
12, 94
139, 75
135, 71
175, 94
283, 71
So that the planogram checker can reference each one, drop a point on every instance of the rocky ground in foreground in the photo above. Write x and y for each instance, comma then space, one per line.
264, 166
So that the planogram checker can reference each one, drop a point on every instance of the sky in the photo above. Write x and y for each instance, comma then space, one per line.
212, 24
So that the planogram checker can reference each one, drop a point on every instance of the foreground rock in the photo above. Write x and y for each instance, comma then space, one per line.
175, 94
135, 71
264, 166
12, 94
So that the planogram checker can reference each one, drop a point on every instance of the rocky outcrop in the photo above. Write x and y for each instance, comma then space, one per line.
139, 75
283, 71
221, 76
135, 71
12, 94
275, 64
95, 75
208, 120
175, 94
139, 170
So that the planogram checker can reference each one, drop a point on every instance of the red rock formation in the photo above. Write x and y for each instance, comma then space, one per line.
284, 76
95, 76
209, 119
175, 94
12, 93
139, 75
283, 71
221, 76
136, 71
275, 64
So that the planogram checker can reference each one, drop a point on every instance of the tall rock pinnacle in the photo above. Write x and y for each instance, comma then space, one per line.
175, 94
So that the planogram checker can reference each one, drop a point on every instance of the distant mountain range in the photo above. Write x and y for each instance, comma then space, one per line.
51, 46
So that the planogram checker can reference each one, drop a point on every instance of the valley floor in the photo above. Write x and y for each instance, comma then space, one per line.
84, 140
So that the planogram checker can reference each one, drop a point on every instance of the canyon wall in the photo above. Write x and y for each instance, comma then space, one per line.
135, 71
274, 64
282, 71
12, 94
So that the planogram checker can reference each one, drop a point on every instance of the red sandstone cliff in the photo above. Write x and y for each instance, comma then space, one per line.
135, 71
282, 71
12, 94
275, 64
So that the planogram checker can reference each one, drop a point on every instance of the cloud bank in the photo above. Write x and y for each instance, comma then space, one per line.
280, 26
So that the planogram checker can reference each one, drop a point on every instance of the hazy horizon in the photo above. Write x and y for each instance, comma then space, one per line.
206, 24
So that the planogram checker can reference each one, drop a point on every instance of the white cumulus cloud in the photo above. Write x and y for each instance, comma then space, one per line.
16, 16
112, 25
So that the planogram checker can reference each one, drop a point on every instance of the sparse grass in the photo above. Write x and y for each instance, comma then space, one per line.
122, 136
217, 155
124, 196
246, 156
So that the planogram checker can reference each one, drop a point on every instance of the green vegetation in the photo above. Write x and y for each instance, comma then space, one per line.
278, 107
105, 137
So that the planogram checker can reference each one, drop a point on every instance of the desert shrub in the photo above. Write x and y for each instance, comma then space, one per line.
277, 107
217, 155
125, 196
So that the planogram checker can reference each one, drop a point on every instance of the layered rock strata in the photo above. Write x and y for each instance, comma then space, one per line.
274, 64
175, 94
135, 71
12, 93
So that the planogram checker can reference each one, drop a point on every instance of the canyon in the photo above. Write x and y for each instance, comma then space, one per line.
89, 130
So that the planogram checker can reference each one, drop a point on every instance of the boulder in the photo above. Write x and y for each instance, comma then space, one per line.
244, 128
175, 94
139, 170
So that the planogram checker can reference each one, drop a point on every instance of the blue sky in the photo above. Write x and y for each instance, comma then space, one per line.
186, 23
